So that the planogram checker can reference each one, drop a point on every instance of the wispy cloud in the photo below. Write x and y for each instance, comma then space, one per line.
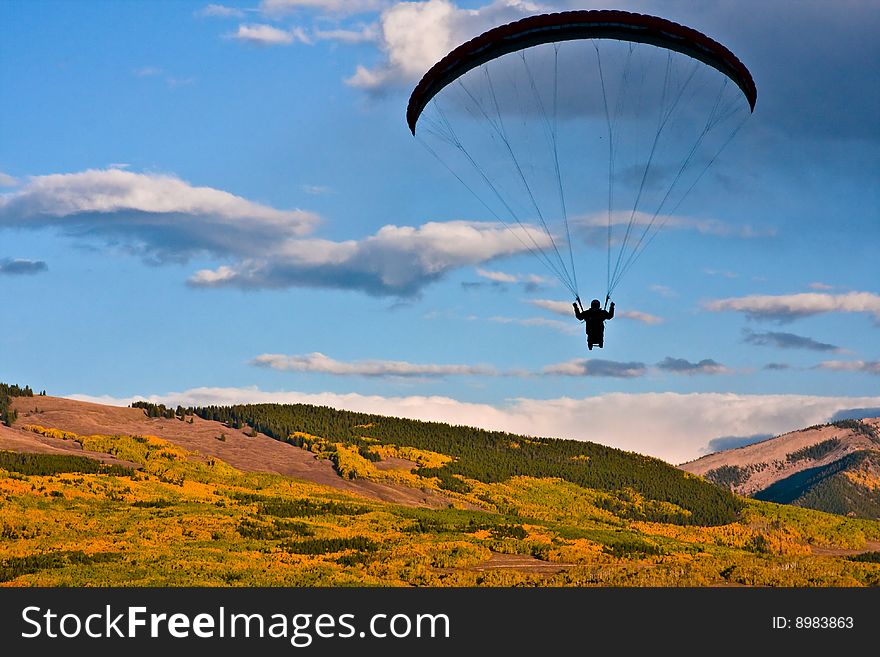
502, 277
674, 427
785, 308
21, 266
639, 316
682, 366
777, 367
663, 291
365, 34
570, 328
597, 367
787, 341
869, 367
220, 11
317, 190
558, 307
267, 35
821, 286
8, 181
343, 7
721, 272
319, 363
594, 228
147, 71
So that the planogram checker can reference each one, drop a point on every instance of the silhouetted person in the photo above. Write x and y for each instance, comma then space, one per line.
594, 317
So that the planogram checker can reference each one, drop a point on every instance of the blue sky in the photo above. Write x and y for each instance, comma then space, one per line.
212, 203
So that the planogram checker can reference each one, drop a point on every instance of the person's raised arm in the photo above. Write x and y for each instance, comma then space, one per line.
611, 312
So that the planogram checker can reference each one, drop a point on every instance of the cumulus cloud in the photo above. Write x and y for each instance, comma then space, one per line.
785, 308
161, 215
787, 341
20, 266
675, 427
397, 260
869, 367
415, 35
597, 367
166, 219
317, 362
682, 366
7, 181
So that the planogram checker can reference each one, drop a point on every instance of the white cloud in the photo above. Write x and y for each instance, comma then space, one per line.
319, 363
7, 181
415, 35
167, 217
344, 7
675, 427
794, 306
663, 291
503, 277
555, 324
267, 35
821, 286
721, 272
558, 307
220, 11
639, 316
870, 367
366, 34
397, 260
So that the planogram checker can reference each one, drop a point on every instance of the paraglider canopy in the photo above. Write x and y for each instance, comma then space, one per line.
569, 25
547, 118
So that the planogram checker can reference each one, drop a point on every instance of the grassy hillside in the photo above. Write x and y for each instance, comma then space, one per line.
179, 517
491, 457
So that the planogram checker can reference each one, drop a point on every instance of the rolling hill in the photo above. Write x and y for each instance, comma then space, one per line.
295, 495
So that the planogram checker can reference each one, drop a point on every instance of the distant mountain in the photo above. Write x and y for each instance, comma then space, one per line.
832, 467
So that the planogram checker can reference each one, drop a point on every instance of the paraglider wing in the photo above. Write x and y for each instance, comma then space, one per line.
571, 25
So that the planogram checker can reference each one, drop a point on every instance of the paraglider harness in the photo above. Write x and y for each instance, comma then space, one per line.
594, 319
